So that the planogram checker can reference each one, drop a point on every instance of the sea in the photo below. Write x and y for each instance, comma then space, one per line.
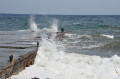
90, 48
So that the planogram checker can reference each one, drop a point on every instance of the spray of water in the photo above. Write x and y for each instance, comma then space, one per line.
51, 31
33, 25
54, 25
51, 63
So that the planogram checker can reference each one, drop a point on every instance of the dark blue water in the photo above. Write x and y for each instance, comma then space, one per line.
86, 34
20, 22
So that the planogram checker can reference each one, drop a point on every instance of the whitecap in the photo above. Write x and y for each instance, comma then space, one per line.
108, 36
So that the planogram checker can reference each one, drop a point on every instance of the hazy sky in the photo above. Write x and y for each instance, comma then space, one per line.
71, 7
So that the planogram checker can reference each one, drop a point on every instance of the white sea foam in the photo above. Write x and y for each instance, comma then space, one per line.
72, 36
76, 36
56, 64
33, 25
51, 63
108, 36
91, 46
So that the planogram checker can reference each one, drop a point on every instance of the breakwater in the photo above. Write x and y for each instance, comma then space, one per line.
17, 51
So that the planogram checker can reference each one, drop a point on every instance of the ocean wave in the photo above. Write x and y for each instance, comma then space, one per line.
103, 26
54, 63
113, 45
91, 46
108, 36
88, 25
77, 24
76, 36
81, 41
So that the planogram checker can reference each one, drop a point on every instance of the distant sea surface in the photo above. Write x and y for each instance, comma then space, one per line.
92, 43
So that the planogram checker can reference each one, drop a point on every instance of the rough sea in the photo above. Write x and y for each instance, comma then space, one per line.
89, 50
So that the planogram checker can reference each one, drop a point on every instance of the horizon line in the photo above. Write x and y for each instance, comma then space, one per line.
62, 14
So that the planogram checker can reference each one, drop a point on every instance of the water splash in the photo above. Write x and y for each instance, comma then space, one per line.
54, 25
54, 64
33, 25
51, 63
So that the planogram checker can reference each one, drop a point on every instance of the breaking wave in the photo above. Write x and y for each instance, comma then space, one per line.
54, 63
108, 36
51, 63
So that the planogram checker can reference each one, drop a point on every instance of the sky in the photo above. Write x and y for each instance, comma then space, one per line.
61, 7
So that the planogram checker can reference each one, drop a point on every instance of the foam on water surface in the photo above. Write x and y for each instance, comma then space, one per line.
54, 63
51, 63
